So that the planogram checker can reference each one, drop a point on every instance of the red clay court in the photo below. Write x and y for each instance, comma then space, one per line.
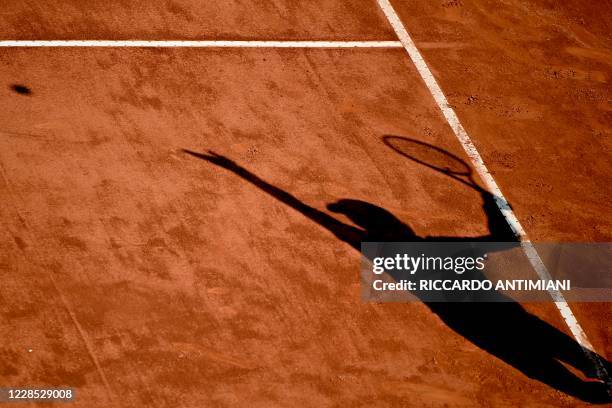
143, 276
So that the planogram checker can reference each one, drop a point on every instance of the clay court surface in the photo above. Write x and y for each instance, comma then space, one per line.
144, 276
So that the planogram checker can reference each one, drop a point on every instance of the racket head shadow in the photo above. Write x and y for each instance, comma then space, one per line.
428, 155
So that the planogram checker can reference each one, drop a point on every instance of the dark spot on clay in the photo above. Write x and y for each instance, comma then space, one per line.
21, 89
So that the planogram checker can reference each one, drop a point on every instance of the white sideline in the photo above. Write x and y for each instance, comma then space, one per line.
201, 44
528, 247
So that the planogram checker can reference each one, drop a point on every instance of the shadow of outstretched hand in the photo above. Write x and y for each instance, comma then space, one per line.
215, 158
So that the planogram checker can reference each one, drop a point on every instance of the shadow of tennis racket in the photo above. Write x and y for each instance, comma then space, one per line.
434, 158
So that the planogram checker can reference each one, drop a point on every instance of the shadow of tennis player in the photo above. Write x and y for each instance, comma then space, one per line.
505, 330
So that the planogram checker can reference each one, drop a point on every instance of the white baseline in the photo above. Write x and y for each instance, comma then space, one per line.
201, 44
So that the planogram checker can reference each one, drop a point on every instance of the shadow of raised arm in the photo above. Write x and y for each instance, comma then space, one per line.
345, 232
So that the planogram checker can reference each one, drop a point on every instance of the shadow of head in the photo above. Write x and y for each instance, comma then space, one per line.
379, 223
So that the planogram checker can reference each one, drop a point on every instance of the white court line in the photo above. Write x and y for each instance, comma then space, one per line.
201, 44
528, 247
